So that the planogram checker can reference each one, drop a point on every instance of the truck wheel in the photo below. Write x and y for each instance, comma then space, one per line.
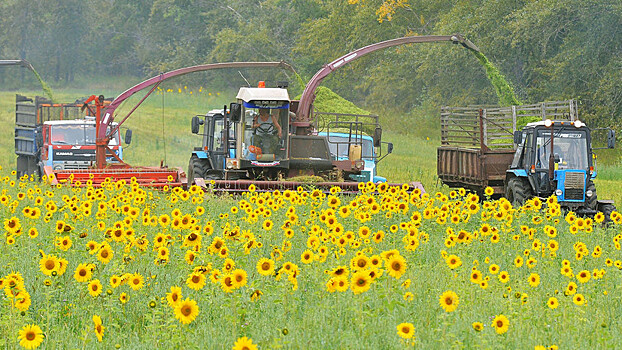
197, 168
40, 171
518, 191
591, 202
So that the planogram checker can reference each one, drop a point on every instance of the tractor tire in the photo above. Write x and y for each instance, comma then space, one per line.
518, 191
197, 168
591, 202
607, 209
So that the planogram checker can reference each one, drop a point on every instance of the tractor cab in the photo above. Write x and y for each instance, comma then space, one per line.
263, 125
260, 120
555, 157
248, 141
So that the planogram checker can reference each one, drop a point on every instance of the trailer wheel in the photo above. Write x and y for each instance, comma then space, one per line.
592, 202
197, 168
518, 191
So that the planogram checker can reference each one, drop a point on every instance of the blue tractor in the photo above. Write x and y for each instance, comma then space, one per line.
555, 157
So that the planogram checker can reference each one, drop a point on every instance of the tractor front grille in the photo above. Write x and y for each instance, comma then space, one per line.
574, 185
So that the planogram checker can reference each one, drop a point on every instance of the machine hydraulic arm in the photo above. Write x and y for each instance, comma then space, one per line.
103, 136
308, 96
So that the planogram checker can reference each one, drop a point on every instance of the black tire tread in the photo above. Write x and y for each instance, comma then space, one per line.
197, 168
607, 209
518, 191
592, 202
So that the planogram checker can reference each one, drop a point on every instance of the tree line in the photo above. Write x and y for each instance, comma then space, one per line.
547, 49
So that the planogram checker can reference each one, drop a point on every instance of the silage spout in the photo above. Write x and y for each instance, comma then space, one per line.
27, 64
22, 63
466, 43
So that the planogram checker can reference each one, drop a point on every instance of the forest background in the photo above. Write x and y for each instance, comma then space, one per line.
548, 49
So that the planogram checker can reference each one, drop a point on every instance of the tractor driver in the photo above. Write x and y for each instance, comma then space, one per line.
267, 131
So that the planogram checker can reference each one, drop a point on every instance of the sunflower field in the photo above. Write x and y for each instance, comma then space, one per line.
124, 266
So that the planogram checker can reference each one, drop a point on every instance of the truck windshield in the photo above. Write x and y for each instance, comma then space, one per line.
569, 146
76, 134
338, 145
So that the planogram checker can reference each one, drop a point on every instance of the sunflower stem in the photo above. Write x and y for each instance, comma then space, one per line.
86, 336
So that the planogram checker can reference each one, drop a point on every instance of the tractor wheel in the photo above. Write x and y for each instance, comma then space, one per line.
591, 202
197, 168
518, 191
607, 209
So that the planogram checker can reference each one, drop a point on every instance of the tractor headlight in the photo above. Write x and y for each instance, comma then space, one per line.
589, 193
232, 163
548, 123
578, 124
58, 167
558, 192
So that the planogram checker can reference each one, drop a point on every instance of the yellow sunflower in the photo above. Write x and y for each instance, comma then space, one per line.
99, 328
453, 261
501, 324
360, 282
174, 297
406, 330
95, 288
30, 336
22, 301
136, 281
48, 264
196, 281
227, 283
244, 343
396, 266
186, 311
265, 267
239, 278
123, 298
83, 272
534, 280
578, 299
449, 301
105, 254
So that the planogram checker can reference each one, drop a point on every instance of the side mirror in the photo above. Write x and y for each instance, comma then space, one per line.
390, 148
195, 124
611, 139
377, 137
128, 136
518, 137
235, 112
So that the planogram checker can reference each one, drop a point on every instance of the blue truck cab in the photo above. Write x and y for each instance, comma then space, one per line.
339, 149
